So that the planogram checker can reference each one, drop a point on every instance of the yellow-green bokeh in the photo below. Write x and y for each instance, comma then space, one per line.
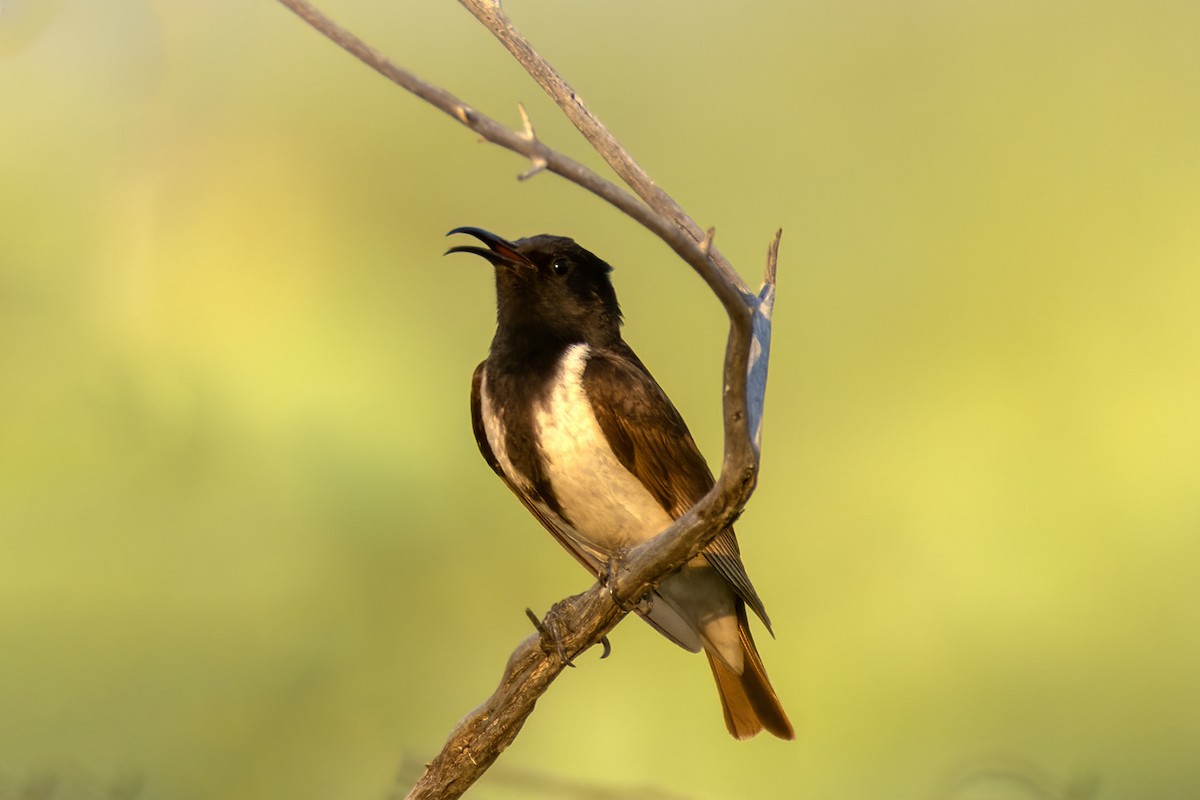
248, 550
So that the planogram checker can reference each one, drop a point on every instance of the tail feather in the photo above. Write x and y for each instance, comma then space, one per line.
749, 702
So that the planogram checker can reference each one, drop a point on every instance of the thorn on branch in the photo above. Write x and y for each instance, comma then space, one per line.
537, 163
526, 124
706, 244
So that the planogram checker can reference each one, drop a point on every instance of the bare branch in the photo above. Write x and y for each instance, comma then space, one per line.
575, 624
677, 239
492, 16
524, 142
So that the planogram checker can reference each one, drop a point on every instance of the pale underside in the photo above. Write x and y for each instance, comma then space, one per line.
609, 509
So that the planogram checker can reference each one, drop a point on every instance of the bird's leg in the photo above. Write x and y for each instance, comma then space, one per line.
548, 632
608, 577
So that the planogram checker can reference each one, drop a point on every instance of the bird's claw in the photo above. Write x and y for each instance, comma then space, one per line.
551, 641
609, 579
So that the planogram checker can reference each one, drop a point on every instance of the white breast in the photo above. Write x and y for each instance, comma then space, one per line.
607, 505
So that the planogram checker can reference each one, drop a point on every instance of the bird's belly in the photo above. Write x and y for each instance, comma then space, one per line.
605, 503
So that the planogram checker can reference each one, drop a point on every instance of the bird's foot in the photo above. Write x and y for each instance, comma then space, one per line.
608, 577
551, 641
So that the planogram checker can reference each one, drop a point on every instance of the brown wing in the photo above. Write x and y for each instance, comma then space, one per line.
595, 562
651, 440
722, 552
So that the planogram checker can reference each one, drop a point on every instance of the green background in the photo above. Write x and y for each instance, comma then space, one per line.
248, 548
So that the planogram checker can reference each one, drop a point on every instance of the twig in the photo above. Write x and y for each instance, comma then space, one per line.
581, 621
678, 240
605, 144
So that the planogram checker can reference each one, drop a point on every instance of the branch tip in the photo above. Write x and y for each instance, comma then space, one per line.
537, 164
772, 262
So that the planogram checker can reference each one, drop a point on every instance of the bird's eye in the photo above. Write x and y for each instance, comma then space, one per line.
561, 266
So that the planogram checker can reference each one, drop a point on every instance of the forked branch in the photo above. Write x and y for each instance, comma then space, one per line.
603, 142
579, 622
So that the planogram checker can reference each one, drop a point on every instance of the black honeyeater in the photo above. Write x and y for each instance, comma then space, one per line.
571, 420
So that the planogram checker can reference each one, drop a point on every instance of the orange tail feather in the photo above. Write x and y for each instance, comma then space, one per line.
749, 702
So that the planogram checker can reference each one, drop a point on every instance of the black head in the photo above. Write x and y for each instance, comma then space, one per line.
550, 288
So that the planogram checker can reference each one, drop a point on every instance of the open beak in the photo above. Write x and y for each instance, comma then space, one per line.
499, 251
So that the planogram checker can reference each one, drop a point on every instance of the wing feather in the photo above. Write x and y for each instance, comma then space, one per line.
650, 439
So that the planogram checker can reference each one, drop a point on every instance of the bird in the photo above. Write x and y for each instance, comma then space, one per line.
568, 416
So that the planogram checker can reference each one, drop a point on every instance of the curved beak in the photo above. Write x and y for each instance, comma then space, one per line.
499, 251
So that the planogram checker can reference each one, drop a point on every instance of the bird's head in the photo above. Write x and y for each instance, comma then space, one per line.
549, 286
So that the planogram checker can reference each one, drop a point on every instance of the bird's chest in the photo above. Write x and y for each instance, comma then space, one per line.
553, 447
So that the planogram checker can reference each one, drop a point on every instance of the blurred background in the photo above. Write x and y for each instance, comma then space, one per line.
248, 548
